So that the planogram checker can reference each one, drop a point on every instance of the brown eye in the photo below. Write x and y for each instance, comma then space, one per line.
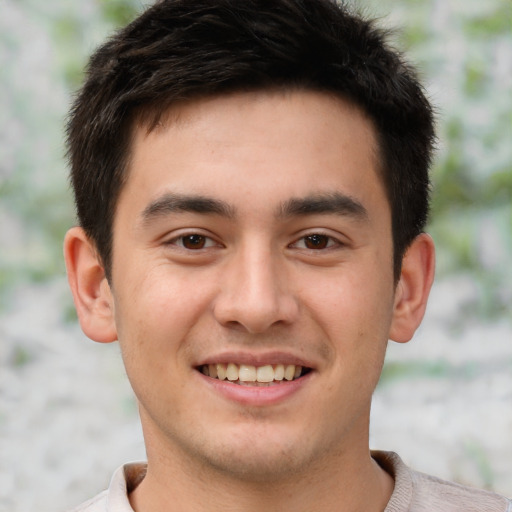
316, 241
193, 241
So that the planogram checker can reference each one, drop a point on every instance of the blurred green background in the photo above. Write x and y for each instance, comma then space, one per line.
462, 48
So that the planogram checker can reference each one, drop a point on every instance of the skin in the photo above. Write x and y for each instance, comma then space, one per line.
259, 282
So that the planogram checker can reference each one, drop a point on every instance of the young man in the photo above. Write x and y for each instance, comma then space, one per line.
251, 180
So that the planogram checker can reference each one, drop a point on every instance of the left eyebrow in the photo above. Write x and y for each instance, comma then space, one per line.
324, 204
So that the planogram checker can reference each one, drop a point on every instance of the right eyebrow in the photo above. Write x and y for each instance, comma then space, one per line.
173, 203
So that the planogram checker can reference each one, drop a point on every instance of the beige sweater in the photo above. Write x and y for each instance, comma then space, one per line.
414, 492
417, 492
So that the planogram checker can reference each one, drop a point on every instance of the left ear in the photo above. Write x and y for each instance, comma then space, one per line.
413, 288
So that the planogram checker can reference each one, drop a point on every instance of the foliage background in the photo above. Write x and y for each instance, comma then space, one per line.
464, 52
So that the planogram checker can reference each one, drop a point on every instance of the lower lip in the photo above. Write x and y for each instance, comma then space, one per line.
256, 396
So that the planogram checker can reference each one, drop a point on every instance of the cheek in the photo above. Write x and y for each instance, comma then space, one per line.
155, 314
354, 308
359, 295
154, 320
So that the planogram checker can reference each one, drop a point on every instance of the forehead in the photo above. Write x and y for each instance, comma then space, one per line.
279, 143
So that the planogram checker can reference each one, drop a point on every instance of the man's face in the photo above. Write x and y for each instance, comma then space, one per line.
253, 235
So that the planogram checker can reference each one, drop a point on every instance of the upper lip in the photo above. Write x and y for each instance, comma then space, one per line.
256, 359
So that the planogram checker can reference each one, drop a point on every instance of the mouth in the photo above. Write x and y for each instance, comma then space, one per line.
248, 375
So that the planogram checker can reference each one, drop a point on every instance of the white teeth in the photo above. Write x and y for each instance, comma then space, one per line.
232, 372
265, 373
247, 373
279, 372
289, 372
221, 371
252, 375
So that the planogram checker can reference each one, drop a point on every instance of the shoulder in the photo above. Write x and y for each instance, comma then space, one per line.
115, 499
449, 496
96, 504
418, 492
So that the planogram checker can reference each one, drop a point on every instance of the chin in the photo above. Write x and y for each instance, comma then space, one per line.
258, 457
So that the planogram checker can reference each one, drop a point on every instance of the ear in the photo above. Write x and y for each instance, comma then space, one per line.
413, 288
91, 292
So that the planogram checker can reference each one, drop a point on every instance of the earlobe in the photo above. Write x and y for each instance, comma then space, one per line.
91, 291
413, 289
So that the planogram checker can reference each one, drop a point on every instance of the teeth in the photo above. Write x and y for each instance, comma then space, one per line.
247, 373
289, 372
279, 372
265, 373
252, 375
221, 371
232, 372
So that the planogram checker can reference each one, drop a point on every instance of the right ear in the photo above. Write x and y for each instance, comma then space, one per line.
91, 292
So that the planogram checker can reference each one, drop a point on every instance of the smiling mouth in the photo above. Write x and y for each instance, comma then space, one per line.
248, 375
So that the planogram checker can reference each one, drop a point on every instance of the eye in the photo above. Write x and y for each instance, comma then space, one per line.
316, 241
193, 241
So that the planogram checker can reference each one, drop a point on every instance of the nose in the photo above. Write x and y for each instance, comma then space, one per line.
256, 293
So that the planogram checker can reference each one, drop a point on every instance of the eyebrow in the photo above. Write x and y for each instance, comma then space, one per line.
335, 202
174, 203
316, 204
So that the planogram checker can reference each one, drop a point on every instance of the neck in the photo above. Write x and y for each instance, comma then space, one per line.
347, 481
